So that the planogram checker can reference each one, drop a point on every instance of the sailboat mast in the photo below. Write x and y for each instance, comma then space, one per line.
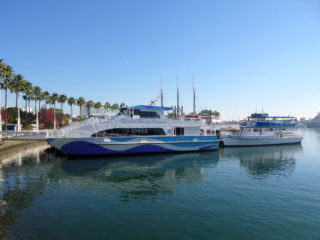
194, 97
161, 94
178, 106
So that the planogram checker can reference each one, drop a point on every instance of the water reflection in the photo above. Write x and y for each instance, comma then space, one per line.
265, 161
22, 179
136, 177
25, 176
29, 176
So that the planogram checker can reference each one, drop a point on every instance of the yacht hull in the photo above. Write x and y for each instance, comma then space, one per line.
245, 141
133, 145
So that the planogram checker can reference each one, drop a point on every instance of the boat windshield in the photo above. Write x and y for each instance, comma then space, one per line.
123, 111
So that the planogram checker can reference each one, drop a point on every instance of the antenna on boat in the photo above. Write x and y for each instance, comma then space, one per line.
194, 96
178, 106
161, 93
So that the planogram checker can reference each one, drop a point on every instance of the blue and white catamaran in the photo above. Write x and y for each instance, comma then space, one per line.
261, 129
138, 129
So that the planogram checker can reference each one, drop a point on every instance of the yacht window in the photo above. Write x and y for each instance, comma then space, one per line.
256, 130
124, 111
179, 131
270, 129
144, 114
129, 132
136, 111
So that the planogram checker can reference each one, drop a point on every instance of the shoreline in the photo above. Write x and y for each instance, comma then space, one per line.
8, 147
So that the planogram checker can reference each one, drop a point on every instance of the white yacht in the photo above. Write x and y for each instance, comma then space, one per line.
137, 129
261, 129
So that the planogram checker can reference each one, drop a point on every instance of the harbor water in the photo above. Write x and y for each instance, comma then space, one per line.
233, 193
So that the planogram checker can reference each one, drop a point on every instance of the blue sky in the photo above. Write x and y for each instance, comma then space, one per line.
245, 54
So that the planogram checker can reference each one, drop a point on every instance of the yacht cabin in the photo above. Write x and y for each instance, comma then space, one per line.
145, 120
263, 124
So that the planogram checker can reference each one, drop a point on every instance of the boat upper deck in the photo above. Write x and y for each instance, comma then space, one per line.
263, 120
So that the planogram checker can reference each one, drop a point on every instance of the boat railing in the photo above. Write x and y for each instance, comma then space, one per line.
80, 127
264, 134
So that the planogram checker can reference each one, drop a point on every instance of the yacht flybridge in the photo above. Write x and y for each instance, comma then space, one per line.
137, 129
261, 129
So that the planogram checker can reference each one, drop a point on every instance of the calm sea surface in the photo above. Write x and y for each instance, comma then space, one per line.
234, 193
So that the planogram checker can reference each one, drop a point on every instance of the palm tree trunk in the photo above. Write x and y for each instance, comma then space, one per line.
45, 115
71, 112
54, 116
37, 116
18, 112
5, 106
39, 112
80, 112
0, 113
26, 113
62, 123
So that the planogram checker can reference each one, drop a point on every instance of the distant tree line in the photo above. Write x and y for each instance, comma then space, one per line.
207, 112
49, 116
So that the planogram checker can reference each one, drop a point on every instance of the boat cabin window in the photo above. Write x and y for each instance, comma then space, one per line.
123, 111
256, 130
136, 111
271, 129
179, 131
129, 132
143, 114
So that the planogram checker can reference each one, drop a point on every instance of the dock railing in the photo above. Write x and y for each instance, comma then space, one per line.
24, 135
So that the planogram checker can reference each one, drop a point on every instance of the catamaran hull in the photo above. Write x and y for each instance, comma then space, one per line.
133, 145
240, 141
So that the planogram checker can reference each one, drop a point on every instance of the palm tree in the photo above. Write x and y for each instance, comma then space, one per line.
41, 98
98, 106
62, 99
80, 102
71, 101
54, 98
46, 98
90, 104
28, 90
8, 76
115, 106
46, 95
17, 85
28, 93
123, 105
36, 97
2, 64
107, 105
25, 98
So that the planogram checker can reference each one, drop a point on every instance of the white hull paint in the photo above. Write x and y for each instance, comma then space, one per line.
233, 141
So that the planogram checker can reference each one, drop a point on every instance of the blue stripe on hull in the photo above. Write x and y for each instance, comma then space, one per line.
88, 148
